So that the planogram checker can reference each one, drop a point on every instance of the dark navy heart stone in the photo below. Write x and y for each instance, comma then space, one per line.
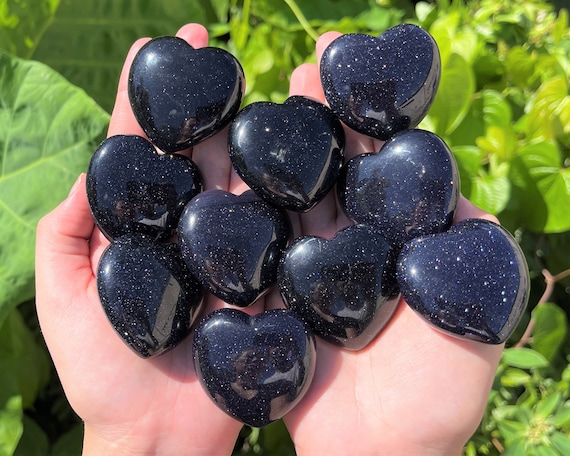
232, 243
344, 288
408, 189
379, 86
471, 281
148, 294
180, 95
256, 369
290, 154
133, 189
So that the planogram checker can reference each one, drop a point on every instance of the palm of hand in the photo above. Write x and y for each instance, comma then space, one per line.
412, 390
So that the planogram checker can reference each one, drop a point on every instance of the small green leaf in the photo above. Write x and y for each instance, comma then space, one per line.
524, 358
562, 417
496, 110
514, 377
561, 442
546, 406
10, 421
550, 329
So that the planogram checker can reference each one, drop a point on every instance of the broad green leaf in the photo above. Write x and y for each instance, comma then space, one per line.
521, 67
512, 430
499, 141
543, 450
550, 329
490, 193
88, 40
30, 364
524, 358
22, 23
49, 129
496, 110
454, 95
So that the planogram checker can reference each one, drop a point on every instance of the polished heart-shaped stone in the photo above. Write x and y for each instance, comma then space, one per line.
408, 189
256, 369
344, 288
471, 281
232, 243
131, 188
148, 294
290, 154
381, 85
180, 95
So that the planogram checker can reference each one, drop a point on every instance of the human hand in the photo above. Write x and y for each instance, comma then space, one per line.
413, 390
129, 405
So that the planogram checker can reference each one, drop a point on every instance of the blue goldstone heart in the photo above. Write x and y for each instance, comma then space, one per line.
133, 189
381, 85
148, 294
232, 243
180, 95
290, 154
471, 281
256, 369
408, 189
345, 288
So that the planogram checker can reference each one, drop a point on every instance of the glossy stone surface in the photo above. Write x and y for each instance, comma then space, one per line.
381, 85
409, 189
148, 294
181, 95
345, 288
471, 281
290, 154
232, 243
256, 369
131, 188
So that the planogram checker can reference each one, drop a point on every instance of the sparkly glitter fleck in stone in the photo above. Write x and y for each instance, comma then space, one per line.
131, 188
344, 288
471, 281
409, 189
379, 86
232, 243
181, 95
290, 154
256, 369
148, 294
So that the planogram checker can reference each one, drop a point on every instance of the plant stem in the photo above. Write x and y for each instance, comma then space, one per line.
302, 19
550, 282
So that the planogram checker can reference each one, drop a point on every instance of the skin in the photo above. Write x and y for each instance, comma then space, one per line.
412, 391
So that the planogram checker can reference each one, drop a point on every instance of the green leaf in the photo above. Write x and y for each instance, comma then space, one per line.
514, 377
88, 40
547, 405
550, 329
496, 110
524, 358
543, 450
561, 442
22, 23
490, 193
34, 441
70, 443
10, 419
454, 95
49, 130
562, 417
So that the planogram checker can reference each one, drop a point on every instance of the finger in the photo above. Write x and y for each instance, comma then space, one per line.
466, 209
196, 35
356, 143
123, 121
62, 247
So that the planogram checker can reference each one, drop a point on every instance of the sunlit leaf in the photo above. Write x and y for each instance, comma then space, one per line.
524, 358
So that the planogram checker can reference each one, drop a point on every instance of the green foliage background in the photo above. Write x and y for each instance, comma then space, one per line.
503, 107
